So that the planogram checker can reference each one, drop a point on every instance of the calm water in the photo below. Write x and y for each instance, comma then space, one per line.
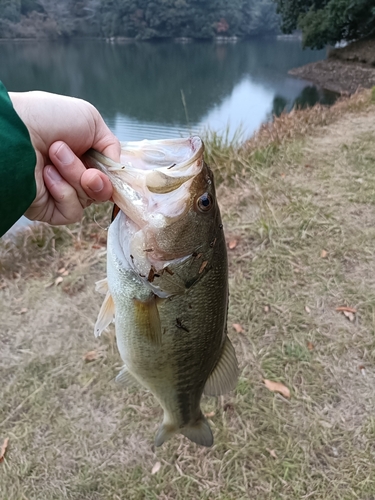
165, 89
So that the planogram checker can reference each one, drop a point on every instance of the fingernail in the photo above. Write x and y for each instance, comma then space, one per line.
65, 154
96, 184
53, 174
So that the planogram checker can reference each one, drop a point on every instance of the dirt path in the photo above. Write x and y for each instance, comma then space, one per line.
302, 214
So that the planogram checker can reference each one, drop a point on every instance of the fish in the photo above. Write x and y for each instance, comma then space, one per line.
167, 280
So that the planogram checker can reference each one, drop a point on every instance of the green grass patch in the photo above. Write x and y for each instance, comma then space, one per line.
306, 238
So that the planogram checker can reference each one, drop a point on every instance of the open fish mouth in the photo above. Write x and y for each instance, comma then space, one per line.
153, 177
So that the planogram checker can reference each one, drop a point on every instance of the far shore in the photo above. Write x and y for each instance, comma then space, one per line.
121, 39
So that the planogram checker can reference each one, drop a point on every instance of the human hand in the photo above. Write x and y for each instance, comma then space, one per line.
62, 129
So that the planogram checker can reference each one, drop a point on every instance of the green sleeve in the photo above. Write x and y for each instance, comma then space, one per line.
17, 165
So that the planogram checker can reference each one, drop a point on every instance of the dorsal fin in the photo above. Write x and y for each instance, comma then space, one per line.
224, 376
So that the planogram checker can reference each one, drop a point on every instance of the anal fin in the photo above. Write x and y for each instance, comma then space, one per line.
106, 315
224, 376
126, 378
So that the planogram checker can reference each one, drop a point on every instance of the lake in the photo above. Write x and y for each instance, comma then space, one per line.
167, 89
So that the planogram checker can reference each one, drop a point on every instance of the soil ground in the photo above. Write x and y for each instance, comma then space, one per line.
299, 211
346, 69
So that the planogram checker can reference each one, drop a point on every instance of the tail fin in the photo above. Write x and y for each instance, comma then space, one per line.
164, 433
200, 432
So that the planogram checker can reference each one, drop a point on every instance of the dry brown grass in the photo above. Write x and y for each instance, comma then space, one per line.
286, 196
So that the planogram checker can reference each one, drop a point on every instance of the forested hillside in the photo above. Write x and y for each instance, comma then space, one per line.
143, 19
325, 22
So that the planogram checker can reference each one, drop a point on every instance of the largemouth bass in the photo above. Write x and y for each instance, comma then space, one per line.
167, 280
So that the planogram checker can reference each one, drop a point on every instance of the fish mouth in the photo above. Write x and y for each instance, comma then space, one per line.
153, 177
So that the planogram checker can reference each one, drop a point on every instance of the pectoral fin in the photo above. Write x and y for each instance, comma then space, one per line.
148, 320
106, 315
224, 376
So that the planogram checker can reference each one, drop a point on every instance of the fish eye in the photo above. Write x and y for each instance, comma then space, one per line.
204, 202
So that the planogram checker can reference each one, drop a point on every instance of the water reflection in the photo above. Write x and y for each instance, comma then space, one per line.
164, 89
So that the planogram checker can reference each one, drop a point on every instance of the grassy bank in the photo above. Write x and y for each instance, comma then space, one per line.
298, 206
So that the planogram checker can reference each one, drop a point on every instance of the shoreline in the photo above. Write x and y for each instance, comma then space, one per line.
345, 70
121, 39
337, 76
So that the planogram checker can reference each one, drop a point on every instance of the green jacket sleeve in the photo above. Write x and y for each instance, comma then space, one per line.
17, 165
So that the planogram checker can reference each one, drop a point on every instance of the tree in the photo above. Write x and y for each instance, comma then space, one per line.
327, 21
144, 19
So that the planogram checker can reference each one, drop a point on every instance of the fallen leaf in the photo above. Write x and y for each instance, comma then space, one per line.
324, 254
272, 453
3, 449
238, 328
156, 468
308, 165
23, 310
349, 315
65, 273
232, 244
61, 270
277, 387
267, 309
310, 346
59, 280
210, 414
347, 309
90, 356
307, 309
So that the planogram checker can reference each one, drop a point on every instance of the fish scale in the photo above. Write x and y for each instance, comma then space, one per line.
167, 281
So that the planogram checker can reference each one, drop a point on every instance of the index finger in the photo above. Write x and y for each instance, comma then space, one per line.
105, 141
